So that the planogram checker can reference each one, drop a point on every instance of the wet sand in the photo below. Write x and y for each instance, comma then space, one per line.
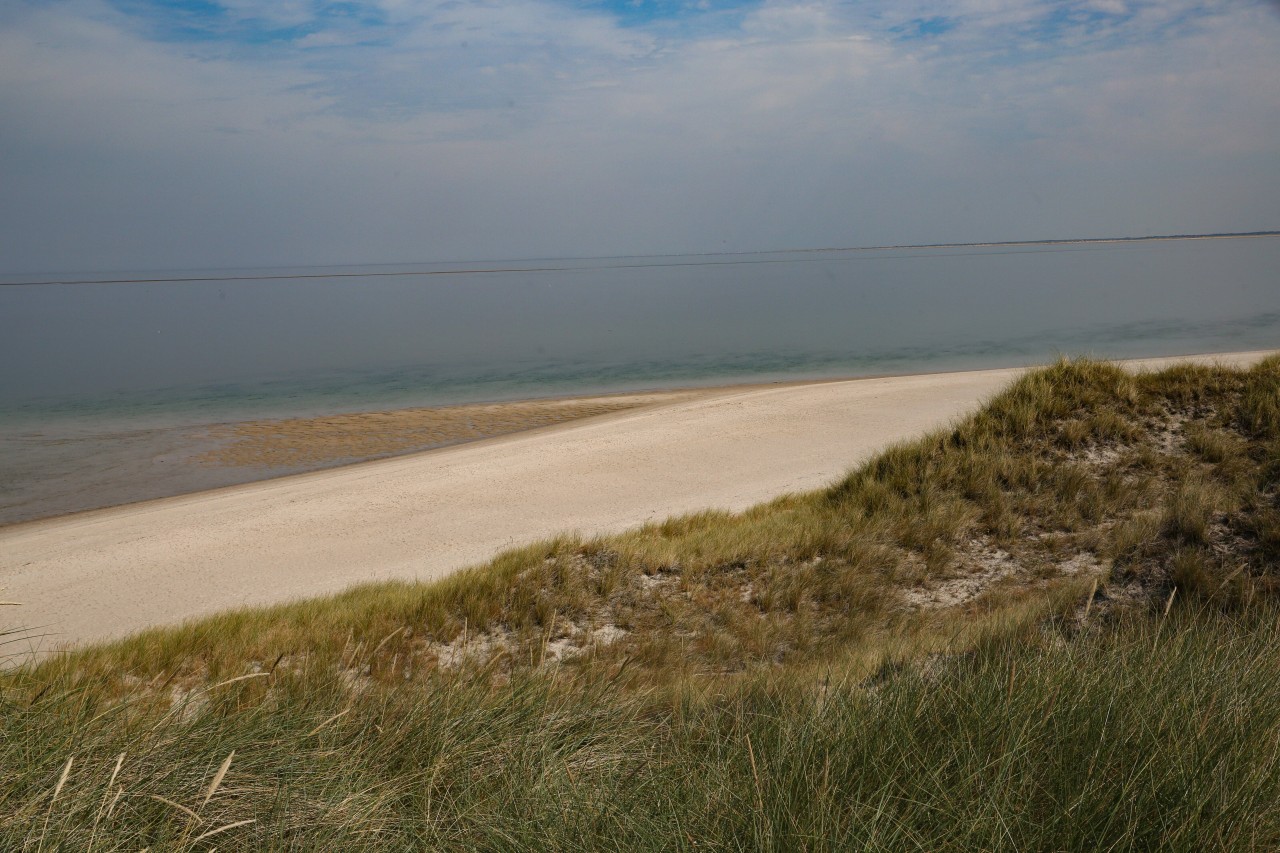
111, 572
53, 472
333, 439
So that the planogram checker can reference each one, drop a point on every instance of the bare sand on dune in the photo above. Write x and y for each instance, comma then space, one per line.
110, 572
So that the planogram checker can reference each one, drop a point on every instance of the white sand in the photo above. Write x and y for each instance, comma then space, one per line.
110, 572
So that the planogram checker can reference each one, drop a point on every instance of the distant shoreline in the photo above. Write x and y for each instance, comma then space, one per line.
1154, 238
506, 266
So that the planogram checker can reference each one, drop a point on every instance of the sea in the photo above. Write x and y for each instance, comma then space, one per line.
109, 379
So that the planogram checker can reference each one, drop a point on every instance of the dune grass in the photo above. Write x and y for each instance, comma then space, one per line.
1158, 735
1052, 626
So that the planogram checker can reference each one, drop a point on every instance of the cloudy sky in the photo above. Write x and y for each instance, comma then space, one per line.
149, 134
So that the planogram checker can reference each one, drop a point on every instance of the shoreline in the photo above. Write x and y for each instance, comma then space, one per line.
208, 457
109, 572
218, 455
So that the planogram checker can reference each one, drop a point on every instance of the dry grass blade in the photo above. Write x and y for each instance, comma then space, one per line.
385, 640
217, 778
62, 780
239, 678
102, 807
179, 806
336, 716
1229, 578
116, 708
755, 775
10, 603
114, 800
1168, 605
224, 828
57, 789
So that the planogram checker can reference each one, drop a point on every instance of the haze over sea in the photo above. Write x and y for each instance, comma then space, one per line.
104, 387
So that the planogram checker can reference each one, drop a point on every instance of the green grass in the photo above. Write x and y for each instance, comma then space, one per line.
910, 659
1156, 736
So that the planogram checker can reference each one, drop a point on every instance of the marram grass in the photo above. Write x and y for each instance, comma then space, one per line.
1154, 736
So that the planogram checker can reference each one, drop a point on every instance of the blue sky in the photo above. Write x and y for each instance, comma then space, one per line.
138, 133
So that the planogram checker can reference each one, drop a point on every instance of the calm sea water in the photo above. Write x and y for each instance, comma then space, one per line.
102, 385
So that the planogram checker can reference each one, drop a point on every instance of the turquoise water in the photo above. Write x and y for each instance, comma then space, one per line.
103, 387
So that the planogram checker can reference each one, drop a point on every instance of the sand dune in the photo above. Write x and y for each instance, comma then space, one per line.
110, 572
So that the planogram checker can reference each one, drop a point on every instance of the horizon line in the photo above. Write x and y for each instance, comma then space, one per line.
478, 270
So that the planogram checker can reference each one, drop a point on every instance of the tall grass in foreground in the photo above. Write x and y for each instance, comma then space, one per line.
1164, 734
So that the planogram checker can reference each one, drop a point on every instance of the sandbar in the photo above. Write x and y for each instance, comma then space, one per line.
108, 573
329, 439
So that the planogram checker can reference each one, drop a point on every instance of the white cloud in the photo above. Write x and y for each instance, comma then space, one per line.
471, 129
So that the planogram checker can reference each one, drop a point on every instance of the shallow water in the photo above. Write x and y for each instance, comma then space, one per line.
104, 388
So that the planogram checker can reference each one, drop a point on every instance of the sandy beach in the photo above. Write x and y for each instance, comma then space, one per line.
110, 572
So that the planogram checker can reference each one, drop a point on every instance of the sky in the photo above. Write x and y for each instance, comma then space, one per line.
184, 134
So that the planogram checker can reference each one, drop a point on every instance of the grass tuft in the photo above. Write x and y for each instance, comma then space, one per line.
1188, 512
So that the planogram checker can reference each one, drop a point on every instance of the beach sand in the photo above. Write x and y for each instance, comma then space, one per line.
110, 572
